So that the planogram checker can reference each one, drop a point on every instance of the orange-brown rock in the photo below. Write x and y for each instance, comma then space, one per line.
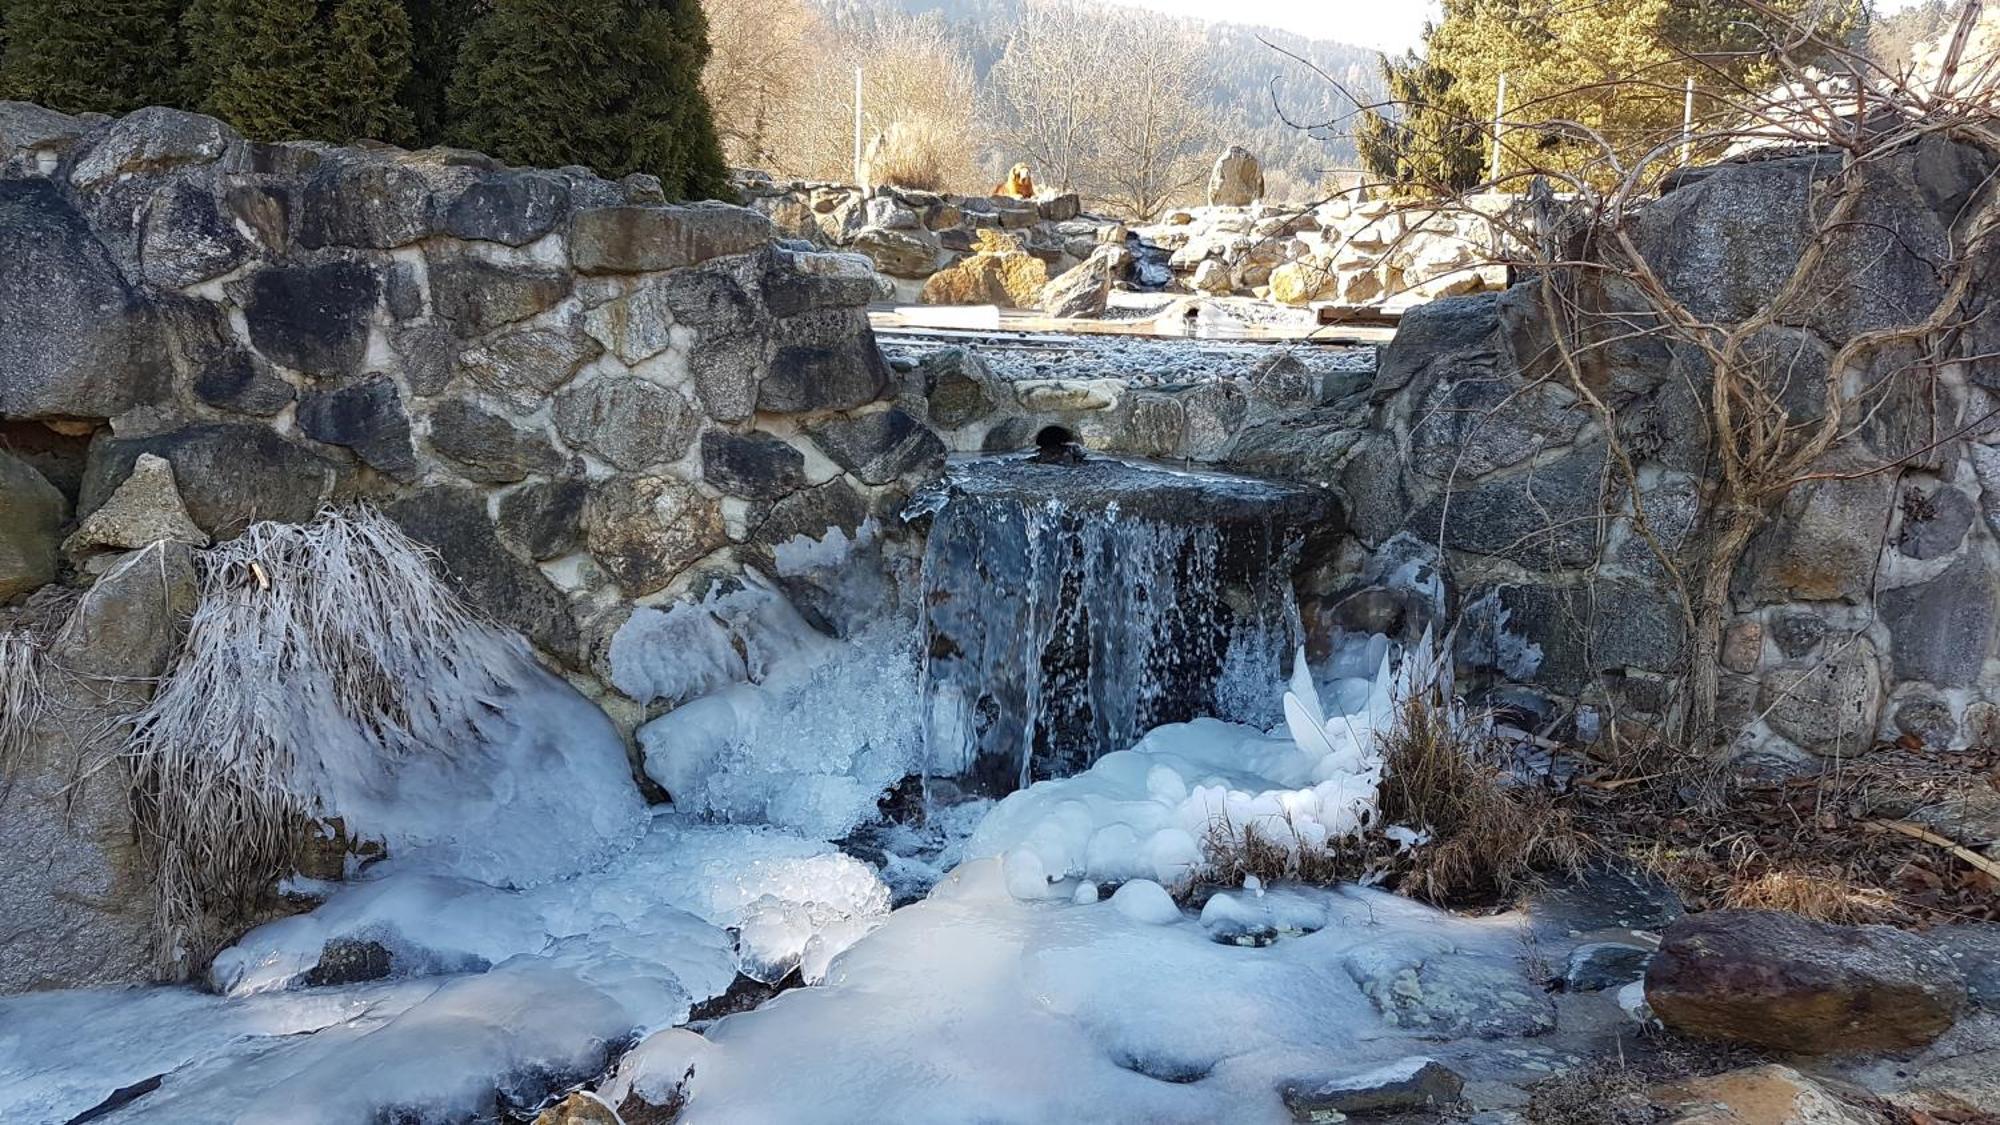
999, 272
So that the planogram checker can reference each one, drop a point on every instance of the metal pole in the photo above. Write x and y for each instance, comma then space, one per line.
857, 129
1499, 108
1687, 120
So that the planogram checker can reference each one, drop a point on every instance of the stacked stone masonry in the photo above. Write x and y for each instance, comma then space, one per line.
582, 397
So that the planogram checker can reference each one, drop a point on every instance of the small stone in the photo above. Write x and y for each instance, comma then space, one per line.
1935, 524
1405, 1085
313, 318
526, 364
480, 569
476, 296
639, 239
347, 961
911, 253
488, 447
1797, 634
833, 376
367, 417
627, 421
1598, 965
1083, 291
1942, 631
1211, 276
367, 203
145, 509
31, 518
580, 1108
645, 530
1743, 646
543, 520
1828, 706
756, 466
230, 475
239, 381
955, 384
1766, 1095
514, 207
155, 140
879, 447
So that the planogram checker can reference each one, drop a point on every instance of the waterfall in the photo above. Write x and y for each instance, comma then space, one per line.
1070, 608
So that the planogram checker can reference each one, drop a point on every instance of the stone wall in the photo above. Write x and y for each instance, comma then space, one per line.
1342, 251
1864, 611
583, 397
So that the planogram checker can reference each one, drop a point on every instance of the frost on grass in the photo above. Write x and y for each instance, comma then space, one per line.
328, 673
817, 731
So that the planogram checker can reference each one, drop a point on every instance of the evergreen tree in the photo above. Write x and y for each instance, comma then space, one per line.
301, 69
1425, 134
368, 66
107, 56
611, 84
437, 33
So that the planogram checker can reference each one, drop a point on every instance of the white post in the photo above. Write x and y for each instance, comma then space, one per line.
1687, 120
857, 129
1499, 109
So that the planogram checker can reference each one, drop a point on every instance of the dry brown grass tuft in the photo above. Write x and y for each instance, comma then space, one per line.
1827, 897
917, 154
1486, 837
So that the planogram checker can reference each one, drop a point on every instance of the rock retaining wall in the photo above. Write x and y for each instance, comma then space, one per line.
1341, 251
583, 397
1865, 611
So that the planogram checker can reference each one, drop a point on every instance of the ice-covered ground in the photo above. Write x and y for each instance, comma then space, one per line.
1049, 976
975, 1006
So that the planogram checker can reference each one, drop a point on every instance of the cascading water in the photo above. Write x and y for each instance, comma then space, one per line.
1071, 607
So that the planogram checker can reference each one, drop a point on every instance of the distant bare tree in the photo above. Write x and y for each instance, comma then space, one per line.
762, 55
1158, 138
918, 102
1106, 103
1052, 84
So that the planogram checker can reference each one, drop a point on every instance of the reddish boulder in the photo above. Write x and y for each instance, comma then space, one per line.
1788, 983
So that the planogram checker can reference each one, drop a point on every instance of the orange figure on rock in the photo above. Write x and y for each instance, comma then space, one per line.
1018, 184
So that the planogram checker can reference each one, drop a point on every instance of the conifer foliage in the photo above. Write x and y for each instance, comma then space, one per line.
611, 84
110, 56
614, 84
279, 69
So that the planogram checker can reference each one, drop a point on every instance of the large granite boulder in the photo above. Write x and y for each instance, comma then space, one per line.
1789, 983
78, 889
999, 272
76, 341
366, 417
879, 447
627, 421
1237, 180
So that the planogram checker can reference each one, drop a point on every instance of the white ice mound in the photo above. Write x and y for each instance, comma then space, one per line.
973, 1006
659, 911
811, 741
1145, 813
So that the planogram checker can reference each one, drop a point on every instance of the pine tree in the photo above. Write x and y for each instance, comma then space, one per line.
301, 69
1425, 135
437, 33
106, 56
611, 84
367, 67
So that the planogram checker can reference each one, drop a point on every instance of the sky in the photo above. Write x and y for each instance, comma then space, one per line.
1385, 25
